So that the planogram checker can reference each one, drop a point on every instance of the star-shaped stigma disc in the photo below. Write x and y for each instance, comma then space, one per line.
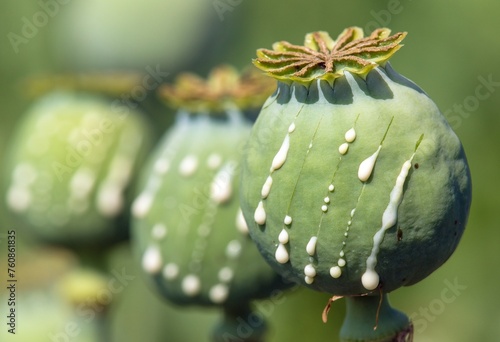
321, 57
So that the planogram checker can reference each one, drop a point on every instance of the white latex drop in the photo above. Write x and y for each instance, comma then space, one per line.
188, 165
366, 167
151, 260
266, 188
170, 271
282, 254
221, 188
283, 237
343, 148
350, 135
280, 157
310, 271
241, 224
335, 272
214, 161
370, 278
191, 285
311, 246
218, 293
260, 214
142, 205
309, 280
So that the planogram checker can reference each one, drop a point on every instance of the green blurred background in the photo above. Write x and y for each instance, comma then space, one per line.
451, 49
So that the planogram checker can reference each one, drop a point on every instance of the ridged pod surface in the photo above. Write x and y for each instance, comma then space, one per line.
70, 167
188, 228
360, 147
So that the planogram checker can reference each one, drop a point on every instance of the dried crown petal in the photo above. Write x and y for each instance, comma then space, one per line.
224, 86
321, 57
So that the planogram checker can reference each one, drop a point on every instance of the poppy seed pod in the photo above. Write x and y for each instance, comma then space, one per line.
71, 164
188, 228
353, 183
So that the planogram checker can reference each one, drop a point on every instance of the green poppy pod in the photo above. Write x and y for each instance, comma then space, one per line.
188, 227
71, 165
353, 183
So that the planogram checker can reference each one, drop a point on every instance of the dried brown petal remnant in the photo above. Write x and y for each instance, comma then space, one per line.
223, 87
321, 57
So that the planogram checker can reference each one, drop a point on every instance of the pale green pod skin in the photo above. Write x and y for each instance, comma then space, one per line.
383, 109
71, 167
188, 230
